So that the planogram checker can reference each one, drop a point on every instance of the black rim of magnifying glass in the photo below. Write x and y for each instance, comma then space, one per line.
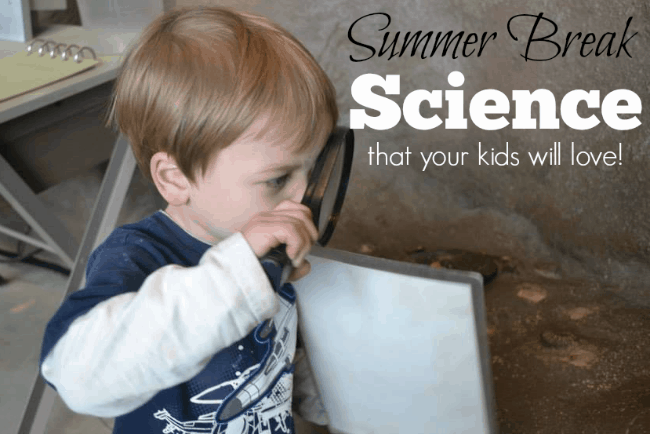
341, 140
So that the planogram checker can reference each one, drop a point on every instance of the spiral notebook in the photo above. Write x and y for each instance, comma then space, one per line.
41, 64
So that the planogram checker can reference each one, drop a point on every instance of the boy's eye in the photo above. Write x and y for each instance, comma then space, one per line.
278, 183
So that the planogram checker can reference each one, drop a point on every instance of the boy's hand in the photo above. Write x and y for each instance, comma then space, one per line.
288, 223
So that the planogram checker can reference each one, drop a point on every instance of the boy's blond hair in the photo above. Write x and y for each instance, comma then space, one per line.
199, 77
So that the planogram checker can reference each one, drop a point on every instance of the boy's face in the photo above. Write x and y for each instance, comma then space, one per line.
251, 175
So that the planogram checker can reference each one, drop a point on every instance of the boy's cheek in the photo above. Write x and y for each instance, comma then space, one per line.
270, 203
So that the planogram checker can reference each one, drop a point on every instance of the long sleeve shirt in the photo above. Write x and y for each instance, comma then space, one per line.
173, 335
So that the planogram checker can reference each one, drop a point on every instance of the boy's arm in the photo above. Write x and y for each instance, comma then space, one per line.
127, 348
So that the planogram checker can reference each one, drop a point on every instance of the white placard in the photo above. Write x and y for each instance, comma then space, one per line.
396, 347
15, 20
124, 14
48, 5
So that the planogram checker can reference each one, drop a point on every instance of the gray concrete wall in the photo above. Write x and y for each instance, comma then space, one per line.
588, 219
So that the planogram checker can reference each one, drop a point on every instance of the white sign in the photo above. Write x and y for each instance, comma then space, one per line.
396, 347
15, 20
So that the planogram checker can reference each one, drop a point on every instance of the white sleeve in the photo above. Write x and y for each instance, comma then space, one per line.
119, 354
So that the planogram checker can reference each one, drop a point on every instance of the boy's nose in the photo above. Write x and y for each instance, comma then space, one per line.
300, 192
301, 187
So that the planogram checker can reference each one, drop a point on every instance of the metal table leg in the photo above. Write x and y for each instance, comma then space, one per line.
55, 236
102, 221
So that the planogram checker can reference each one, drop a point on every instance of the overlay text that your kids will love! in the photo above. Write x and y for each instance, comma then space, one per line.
495, 156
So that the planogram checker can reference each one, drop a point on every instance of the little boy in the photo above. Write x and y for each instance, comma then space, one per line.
178, 329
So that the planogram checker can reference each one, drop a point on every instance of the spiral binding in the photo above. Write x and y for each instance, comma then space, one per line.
57, 49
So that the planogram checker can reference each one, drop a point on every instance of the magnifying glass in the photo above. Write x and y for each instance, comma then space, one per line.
324, 196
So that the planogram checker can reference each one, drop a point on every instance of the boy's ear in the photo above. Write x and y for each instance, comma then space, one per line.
172, 185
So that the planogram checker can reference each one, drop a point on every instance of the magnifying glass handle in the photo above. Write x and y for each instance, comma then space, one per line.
277, 266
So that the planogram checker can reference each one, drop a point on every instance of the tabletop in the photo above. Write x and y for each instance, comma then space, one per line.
109, 44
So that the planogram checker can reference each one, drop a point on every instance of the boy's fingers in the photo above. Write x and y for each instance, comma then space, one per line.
300, 272
298, 244
289, 223
271, 234
297, 221
301, 211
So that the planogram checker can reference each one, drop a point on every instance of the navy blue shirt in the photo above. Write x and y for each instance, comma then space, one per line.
244, 388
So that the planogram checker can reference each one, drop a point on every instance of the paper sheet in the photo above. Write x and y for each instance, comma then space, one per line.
22, 73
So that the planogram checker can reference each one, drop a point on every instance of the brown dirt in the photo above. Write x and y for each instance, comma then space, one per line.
576, 361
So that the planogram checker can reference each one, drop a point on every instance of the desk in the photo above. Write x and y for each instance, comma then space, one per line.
109, 44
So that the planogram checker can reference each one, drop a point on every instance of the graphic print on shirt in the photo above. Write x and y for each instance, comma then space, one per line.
258, 400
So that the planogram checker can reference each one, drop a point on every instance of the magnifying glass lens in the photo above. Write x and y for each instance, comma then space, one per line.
331, 192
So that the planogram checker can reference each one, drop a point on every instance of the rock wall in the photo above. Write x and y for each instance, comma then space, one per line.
590, 219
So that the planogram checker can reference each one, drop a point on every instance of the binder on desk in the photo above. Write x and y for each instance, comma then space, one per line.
41, 64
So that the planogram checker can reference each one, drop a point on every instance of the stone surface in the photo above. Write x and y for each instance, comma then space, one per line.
592, 220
